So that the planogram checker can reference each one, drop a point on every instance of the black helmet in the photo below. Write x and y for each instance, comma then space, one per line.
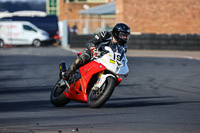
121, 33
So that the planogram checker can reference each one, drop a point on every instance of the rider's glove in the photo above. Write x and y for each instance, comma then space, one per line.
94, 51
126, 75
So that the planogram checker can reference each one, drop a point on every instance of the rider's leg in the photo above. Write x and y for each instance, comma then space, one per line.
80, 61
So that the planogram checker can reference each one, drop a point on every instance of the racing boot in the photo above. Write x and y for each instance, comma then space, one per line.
72, 68
81, 60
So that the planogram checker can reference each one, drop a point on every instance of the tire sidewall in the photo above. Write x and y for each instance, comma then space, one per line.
59, 101
1, 43
36, 43
111, 81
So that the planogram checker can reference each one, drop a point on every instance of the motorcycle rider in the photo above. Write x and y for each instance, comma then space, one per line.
118, 36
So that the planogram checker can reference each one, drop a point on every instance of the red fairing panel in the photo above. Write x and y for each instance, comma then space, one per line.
86, 73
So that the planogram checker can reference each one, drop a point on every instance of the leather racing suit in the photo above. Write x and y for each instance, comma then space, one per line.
102, 37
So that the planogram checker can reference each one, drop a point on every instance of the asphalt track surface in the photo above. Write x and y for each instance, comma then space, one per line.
160, 95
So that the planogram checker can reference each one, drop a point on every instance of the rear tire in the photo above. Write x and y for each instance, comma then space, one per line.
36, 43
57, 97
1, 43
107, 89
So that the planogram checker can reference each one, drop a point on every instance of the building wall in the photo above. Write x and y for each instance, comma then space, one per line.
70, 10
160, 16
86, 24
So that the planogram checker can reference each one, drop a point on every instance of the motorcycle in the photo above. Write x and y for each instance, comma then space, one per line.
94, 82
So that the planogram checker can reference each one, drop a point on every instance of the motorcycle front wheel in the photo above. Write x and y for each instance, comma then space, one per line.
57, 96
97, 98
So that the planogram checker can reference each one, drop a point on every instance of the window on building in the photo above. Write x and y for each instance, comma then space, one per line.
52, 3
52, 7
53, 12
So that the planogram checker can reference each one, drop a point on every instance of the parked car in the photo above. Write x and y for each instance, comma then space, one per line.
21, 33
48, 23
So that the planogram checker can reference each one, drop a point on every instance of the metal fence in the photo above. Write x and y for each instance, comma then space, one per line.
89, 26
151, 41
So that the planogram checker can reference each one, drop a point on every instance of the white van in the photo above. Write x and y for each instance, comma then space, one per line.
21, 33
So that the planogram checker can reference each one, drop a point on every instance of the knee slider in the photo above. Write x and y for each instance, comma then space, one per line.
85, 58
79, 60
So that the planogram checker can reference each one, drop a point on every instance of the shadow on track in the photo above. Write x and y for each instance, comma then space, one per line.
18, 106
25, 106
23, 90
144, 102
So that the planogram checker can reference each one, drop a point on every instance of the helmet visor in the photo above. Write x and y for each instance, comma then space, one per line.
124, 36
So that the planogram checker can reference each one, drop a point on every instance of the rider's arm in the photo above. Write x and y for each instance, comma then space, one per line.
98, 38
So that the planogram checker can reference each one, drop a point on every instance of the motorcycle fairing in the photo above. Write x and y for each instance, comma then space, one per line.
88, 70
78, 90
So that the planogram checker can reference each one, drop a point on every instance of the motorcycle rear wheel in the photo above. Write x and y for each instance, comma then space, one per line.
57, 96
97, 99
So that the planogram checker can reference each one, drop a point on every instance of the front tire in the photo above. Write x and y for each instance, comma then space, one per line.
57, 97
98, 97
1, 43
37, 43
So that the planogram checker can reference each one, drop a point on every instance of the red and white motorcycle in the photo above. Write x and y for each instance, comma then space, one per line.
94, 82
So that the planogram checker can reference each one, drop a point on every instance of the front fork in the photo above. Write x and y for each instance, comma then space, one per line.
63, 68
101, 79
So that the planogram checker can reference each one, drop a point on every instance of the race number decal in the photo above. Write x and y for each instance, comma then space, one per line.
118, 56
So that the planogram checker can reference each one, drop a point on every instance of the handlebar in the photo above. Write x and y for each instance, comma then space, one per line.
101, 47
